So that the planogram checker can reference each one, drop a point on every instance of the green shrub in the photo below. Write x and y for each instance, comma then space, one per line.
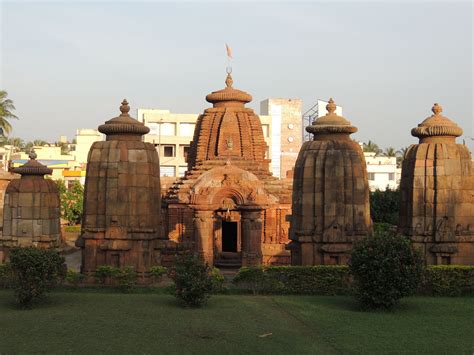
72, 229
385, 268
385, 206
103, 274
126, 278
217, 280
71, 201
74, 278
35, 271
157, 273
448, 280
193, 280
5, 276
304, 280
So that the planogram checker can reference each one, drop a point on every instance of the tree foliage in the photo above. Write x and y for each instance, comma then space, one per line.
372, 147
71, 201
6, 108
385, 206
385, 268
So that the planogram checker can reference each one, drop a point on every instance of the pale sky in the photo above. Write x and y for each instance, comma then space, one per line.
68, 65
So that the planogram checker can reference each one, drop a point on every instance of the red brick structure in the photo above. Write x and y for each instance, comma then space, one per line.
31, 210
437, 193
228, 207
330, 194
122, 199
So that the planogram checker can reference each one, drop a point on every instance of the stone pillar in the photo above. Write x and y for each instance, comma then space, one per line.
252, 227
203, 235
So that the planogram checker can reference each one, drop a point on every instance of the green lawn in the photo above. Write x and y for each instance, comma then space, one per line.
92, 322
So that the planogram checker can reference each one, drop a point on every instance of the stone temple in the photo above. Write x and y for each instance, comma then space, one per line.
122, 199
31, 210
437, 193
330, 194
228, 208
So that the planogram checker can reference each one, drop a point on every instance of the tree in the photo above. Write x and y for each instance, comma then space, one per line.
371, 147
6, 108
39, 143
390, 152
385, 206
401, 155
17, 143
71, 201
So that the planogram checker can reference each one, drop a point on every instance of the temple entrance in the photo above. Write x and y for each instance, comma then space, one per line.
229, 237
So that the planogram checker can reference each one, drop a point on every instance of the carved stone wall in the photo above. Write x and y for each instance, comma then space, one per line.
330, 194
437, 193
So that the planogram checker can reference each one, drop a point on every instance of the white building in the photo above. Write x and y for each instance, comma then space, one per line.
382, 172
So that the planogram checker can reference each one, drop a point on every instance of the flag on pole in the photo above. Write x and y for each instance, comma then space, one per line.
229, 51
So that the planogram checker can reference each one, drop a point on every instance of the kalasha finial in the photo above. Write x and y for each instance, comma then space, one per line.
33, 155
124, 108
437, 109
228, 81
331, 106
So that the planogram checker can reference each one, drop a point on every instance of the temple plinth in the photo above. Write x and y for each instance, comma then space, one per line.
330, 194
228, 208
122, 200
437, 192
31, 209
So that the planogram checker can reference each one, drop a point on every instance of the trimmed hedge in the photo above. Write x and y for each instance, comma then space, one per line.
452, 280
448, 280
304, 280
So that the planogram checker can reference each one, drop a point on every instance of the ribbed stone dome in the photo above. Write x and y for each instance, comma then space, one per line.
437, 125
123, 124
331, 123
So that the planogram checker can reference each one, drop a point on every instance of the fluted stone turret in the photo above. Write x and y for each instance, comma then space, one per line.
31, 209
437, 192
122, 202
330, 207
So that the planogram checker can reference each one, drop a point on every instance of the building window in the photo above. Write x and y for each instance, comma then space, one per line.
185, 152
167, 129
371, 176
391, 176
186, 129
168, 150
167, 170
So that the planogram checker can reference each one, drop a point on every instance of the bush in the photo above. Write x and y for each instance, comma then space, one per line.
74, 278
448, 280
304, 280
194, 281
103, 274
157, 273
385, 206
35, 271
126, 278
5, 276
73, 229
385, 268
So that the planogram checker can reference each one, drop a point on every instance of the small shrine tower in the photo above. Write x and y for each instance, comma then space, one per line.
31, 209
330, 194
122, 199
437, 193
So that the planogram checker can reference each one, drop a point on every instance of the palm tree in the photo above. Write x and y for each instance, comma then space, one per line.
390, 152
6, 107
39, 142
401, 155
371, 147
17, 143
